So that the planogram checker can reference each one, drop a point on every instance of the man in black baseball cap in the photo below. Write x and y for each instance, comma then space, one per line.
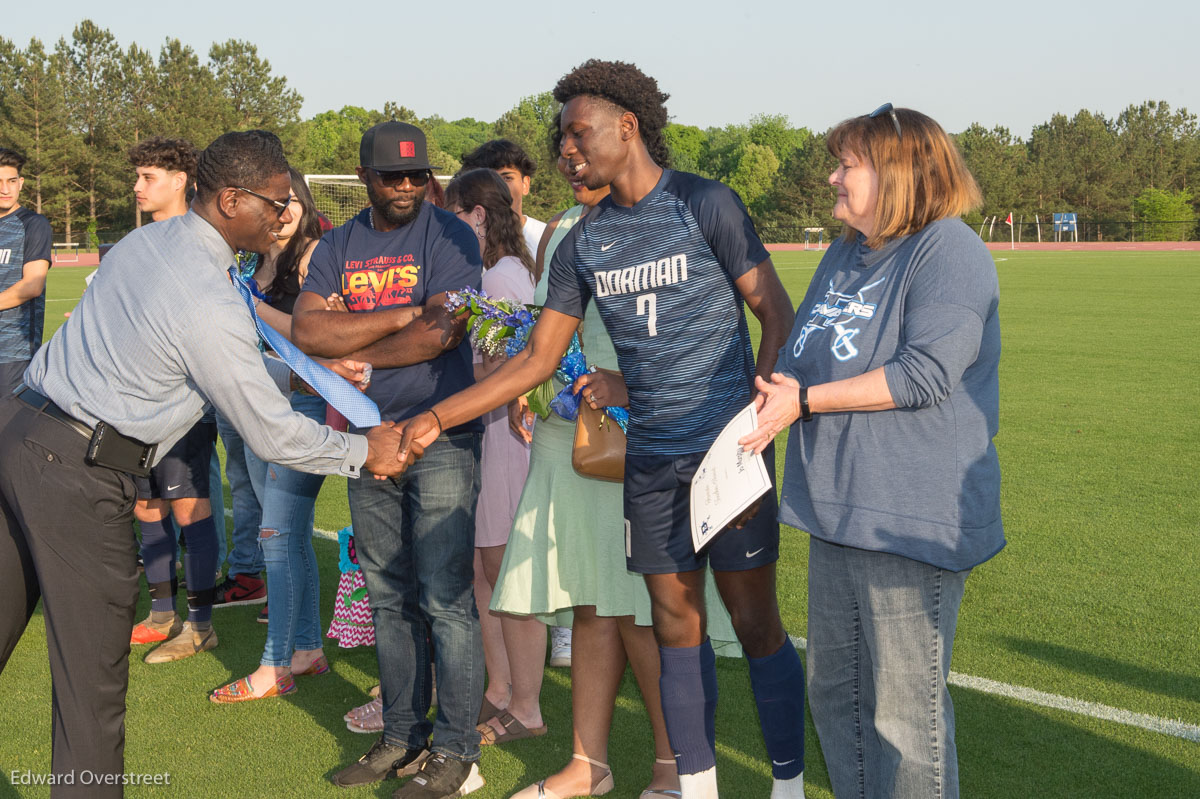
395, 169
392, 265
394, 147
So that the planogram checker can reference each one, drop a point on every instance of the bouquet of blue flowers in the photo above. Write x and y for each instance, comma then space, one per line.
501, 328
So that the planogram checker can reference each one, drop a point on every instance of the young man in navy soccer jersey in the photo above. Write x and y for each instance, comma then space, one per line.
669, 258
25, 248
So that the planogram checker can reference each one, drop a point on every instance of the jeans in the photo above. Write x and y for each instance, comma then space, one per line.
415, 536
293, 589
880, 632
245, 472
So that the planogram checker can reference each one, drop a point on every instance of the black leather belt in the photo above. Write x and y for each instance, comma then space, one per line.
39, 403
106, 446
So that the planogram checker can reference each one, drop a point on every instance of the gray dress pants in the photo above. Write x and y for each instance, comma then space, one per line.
66, 537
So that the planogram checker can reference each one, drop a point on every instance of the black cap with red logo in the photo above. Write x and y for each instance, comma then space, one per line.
394, 147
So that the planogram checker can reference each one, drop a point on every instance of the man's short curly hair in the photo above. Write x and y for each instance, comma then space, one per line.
247, 158
628, 88
173, 155
498, 154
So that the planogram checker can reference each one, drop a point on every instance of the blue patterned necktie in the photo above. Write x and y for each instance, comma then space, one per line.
337, 391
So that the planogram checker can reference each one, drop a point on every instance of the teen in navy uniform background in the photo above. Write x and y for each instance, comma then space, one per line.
25, 247
669, 258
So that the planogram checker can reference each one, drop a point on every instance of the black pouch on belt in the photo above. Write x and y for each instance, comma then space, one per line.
110, 449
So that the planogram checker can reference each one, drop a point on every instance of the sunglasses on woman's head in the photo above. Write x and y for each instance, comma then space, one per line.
886, 108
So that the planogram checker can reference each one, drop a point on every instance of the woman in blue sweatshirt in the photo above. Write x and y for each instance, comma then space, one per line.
891, 372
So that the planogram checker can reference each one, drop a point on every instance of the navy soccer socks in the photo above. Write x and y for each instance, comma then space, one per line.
200, 568
778, 684
689, 701
158, 557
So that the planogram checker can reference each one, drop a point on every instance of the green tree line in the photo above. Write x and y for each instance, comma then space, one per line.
75, 109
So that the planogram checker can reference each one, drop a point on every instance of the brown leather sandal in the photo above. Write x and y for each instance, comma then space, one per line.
513, 730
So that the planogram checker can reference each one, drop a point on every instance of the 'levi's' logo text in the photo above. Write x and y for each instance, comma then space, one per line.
380, 282
650, 275
408, 149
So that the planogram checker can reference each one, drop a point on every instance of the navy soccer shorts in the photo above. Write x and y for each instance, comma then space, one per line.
183, 471
658, 527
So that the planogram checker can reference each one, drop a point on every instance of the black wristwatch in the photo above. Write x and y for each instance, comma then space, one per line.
805, 411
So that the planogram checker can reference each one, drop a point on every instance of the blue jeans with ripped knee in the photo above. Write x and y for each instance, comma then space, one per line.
293, 589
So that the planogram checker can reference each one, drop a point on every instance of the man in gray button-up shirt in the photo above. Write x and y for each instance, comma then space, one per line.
160, 331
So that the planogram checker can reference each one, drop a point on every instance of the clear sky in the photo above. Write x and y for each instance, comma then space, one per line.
997, 63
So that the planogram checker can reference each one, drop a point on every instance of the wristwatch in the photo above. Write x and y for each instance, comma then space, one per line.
805, 411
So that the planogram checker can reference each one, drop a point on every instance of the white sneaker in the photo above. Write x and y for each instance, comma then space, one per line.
560, 647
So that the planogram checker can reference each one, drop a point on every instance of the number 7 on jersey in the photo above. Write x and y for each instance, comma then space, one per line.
647, 305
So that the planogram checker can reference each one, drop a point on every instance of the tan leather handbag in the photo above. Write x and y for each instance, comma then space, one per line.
599, 445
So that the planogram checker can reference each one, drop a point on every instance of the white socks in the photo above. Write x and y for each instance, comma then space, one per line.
702, 785
789, 789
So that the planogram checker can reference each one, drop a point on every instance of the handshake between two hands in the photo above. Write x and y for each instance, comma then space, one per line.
392, 446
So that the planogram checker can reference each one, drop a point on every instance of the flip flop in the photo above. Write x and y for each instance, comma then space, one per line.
513, 730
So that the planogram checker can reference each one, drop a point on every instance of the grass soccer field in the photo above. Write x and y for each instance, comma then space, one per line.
1093, 603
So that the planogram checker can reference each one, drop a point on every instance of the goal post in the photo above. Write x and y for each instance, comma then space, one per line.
338, 197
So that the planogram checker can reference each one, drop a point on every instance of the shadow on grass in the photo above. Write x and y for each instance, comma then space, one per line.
1007, 748
324, 698
1165, 683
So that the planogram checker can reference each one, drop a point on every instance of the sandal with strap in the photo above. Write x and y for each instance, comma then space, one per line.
243, 691
488, 711
514, 730
371, 724
372, 708
663, 793
539, 791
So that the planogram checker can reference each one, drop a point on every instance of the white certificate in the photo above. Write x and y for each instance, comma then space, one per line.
728, 480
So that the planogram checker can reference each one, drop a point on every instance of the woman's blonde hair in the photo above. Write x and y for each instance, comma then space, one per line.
922, 177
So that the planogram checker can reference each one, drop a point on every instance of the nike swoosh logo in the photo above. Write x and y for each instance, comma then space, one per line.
605, 247
172, 488
750, 555
784, 763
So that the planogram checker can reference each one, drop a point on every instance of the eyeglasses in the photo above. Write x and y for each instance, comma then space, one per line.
886, 108
417, 177
279, 207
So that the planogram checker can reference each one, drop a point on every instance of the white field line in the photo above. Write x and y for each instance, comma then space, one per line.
1032, 696
1080, 707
